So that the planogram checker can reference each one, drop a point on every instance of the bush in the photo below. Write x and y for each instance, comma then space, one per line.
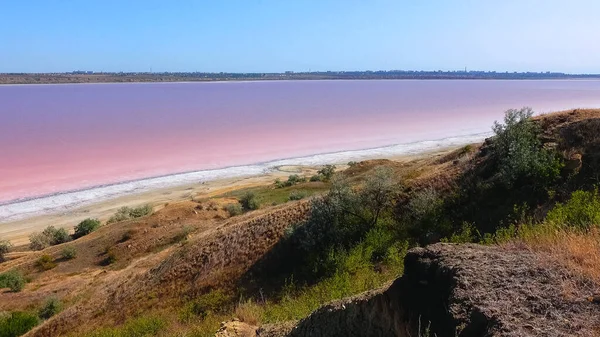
292, 180
86, 227
39, 241
298, 195
126, 213
45, 262
51, 307
327, 172
111, 257
13, 280
17, 324
68, 253
4, 248
234, 209
519, 150
249, 201
316, 177
581, 210
49, 237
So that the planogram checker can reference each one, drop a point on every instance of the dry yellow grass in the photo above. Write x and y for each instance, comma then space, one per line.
576, 250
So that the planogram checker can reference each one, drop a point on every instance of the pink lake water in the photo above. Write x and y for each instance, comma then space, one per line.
57, 138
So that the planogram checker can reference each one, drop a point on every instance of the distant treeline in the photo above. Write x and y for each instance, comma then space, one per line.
91, 77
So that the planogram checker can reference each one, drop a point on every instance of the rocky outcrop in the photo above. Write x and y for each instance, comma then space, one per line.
466, 291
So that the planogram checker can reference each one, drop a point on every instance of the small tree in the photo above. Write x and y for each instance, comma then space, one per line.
86, 227
5, 246
519, 149
60, 236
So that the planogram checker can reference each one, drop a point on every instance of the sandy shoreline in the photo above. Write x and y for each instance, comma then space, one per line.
18, 231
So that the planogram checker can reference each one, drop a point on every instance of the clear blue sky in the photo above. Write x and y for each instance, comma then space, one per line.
280, 35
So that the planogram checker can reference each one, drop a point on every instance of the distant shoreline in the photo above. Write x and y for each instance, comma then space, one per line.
74, 78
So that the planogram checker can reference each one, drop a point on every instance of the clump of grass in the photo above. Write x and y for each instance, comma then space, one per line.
45, 262
12, 279
249, 201
111, 257
183, 234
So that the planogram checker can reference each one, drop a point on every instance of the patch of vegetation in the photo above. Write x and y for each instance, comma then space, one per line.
249, 201
315, 178
183, 234
327, 172
520, 152
17, 323
145, 326
86, 227
581, 210
213, 302
49, 237
267, 195
298, 195
5, 246
111, 257
234, 209
12, 279
293, 179
51, 307
68, 253
45, 262
127, 213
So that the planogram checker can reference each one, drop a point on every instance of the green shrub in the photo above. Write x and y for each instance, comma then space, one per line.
581, 210
519, 150
60, 236
316, 177
45, 262
352, 163
13, 280
51, 307
68, 253
249, 201
4, 248
17, 324
327, 172
234, 209
126, 213
86, 227
298, 195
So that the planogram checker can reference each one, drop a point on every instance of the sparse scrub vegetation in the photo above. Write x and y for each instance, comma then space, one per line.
292, 180
126, 213
48, 237
86, 227
12, 279
327, 172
